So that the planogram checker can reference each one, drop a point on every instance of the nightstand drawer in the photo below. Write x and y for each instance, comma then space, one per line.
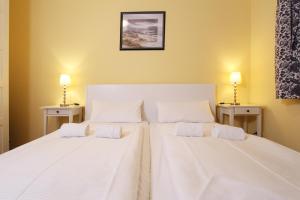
57, 112
246, 111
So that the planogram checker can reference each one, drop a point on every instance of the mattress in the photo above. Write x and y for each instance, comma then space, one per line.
215, 169
78, 168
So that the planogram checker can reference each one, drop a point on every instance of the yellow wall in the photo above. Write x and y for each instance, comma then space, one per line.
205, 40
281, 117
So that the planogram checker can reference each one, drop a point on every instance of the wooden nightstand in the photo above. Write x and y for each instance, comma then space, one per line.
57, 111
241, 110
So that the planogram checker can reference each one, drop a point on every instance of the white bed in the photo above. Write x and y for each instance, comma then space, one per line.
204, 168
80, 168
74, 168
208, 168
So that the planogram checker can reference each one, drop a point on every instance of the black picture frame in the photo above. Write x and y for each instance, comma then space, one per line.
134, 35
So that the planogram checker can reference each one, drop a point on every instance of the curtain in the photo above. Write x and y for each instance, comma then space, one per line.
287, 50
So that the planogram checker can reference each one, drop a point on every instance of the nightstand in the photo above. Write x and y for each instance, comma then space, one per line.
241, 110
57, 111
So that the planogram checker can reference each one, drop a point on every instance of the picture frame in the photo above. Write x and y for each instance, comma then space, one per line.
142, 30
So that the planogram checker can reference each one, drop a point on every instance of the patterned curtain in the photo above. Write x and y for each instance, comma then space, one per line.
287, 58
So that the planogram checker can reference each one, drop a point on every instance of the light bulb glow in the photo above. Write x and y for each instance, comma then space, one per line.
65, 80
235, 78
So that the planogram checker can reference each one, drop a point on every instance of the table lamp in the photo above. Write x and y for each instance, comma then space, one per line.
65, 80
235, 79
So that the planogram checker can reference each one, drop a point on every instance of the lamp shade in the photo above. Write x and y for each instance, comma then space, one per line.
65, 79
235, 78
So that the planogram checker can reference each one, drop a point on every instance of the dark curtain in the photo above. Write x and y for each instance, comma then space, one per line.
287, 56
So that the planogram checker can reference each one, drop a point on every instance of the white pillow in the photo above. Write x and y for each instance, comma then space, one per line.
228, 132
108, 131
116, 111
73, 130
192, 111
189, 129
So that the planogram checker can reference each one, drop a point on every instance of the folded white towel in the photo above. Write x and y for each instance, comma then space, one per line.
73, 130
189, 129
228, 132
108, 131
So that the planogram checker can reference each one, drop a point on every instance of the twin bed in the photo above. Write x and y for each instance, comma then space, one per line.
74, 168
209, 168
149, 161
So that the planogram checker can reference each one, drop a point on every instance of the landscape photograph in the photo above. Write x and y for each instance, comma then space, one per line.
142, 31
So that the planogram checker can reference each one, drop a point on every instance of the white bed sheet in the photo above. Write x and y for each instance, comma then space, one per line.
208, 168
78, 168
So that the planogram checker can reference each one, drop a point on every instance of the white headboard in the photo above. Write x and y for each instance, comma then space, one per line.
150, 94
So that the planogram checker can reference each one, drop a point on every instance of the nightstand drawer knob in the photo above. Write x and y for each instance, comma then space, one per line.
57, 111
248, 110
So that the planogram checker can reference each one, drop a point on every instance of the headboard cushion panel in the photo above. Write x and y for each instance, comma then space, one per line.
150, 94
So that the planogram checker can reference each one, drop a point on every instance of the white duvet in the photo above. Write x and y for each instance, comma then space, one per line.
209, 168
86, 168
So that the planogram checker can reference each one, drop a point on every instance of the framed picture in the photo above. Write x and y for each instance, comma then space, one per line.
142, 30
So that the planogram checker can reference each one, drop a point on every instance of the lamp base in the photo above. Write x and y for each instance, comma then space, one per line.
235, 104
64, 105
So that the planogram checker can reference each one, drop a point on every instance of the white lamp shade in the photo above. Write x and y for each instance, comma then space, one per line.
235, 78
65, 79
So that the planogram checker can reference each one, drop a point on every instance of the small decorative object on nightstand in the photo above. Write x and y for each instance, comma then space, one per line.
65, 80
241, 110
57, 111
235, 79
